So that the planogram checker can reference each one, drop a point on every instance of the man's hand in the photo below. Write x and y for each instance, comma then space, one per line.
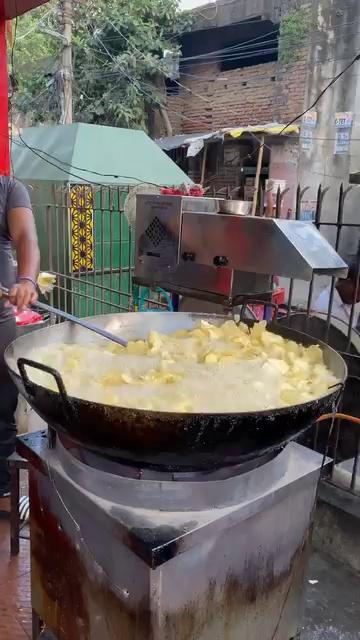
22, 295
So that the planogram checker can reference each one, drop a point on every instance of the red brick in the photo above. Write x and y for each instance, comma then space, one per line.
231, 103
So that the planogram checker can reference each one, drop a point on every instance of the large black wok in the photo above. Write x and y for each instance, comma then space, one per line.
159, 440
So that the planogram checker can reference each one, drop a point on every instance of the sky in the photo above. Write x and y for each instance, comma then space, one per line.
190, 4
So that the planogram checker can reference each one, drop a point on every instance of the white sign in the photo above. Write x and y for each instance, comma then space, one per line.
308, 210
343, 126
343, 120
342, 141
310, 119
306, 138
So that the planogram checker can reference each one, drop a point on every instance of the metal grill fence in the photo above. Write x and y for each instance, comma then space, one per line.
87, 242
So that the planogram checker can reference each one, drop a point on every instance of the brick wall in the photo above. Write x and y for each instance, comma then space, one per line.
252, 95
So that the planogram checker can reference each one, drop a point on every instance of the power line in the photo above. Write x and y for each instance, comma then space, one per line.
252, 49
244, 56
38, 24
276, 31
331, 83
213, 54
156, 67
137, 85
235, 47
40, 153
314, 103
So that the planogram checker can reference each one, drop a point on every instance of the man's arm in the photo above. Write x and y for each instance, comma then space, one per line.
22, 230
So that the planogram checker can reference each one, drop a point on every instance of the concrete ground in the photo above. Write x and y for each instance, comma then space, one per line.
332, 603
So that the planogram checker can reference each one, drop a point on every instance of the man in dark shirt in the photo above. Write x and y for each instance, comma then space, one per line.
17, 231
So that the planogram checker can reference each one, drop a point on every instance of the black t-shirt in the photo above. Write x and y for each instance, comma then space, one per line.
13, 195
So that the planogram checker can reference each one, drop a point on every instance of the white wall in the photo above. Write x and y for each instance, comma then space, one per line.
335, 41
190, 4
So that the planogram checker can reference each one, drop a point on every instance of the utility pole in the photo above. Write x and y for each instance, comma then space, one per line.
66, 70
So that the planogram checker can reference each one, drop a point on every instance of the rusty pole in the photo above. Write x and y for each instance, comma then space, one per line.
258, 172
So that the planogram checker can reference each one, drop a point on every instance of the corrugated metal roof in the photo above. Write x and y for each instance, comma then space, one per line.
175, 142
92, 153
273, 128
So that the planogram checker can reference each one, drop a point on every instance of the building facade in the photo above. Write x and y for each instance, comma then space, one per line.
234, 74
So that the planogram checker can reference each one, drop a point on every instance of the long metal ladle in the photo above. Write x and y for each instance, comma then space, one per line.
4, 293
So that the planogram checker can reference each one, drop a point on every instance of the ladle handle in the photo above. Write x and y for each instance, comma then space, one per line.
82, 323
70, 318
23, 363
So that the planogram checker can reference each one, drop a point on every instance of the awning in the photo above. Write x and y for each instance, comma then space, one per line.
272, 129
87, 153
174, 142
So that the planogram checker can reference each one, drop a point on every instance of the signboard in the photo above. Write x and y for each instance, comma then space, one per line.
306, 138
343, 120
309, 122
343, 126
310, 119
342, 141
308, 210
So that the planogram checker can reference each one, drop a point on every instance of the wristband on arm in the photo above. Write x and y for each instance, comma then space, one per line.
27, 279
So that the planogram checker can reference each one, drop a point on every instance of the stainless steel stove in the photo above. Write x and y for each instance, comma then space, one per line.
126, 554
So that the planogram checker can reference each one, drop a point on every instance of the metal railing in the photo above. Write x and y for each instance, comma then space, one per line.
342, 442
86, 240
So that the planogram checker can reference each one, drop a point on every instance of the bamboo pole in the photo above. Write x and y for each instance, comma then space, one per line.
258, 172
203, 167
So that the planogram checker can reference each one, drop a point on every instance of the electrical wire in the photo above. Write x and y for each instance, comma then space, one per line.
137, 179
231, 55
159, 68
137, 85
212, 55
313, 104
276, 31
40, 153
248, 56
36, 26
328, 86
235, 47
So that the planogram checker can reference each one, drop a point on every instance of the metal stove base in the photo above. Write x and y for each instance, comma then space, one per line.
48, 635
124, 559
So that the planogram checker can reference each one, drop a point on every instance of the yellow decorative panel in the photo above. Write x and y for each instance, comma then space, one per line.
82, 228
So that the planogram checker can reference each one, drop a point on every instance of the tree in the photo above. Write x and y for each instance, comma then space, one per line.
33, 61
295, 28
118, 60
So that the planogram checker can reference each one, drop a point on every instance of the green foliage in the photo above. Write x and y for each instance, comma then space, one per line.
35, 57
117, 55
295, 28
